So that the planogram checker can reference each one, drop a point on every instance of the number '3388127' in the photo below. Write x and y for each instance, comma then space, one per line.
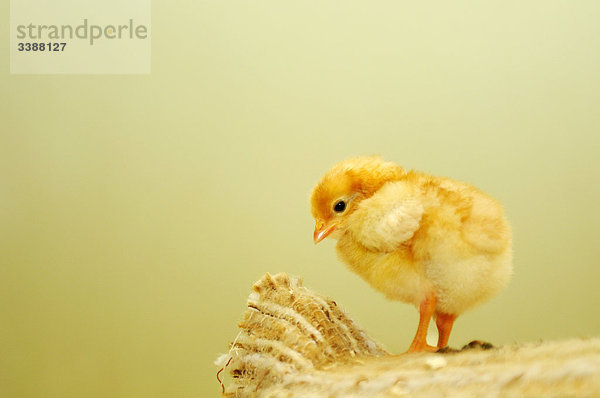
41, 46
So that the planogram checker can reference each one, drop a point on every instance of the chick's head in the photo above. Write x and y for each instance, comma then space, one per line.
338, 194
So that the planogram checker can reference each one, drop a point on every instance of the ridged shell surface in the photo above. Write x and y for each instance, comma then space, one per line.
288, 329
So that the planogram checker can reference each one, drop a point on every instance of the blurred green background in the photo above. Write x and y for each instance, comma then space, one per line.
137, 211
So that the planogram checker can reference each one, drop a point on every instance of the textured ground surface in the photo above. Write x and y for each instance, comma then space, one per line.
296, 343
551, 369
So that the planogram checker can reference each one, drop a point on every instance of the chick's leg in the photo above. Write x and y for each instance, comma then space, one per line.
444, 324
426, 310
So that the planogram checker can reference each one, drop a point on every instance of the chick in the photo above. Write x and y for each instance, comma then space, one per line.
439, 244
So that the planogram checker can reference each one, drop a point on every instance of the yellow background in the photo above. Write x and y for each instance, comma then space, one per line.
136, 211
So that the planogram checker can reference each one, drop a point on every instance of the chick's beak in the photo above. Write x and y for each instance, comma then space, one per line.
322, 230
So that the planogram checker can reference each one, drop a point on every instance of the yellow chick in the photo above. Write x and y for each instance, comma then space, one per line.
439, 244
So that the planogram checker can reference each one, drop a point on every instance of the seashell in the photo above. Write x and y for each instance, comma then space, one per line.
288, 329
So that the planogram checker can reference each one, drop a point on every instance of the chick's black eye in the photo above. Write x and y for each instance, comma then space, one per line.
340, 206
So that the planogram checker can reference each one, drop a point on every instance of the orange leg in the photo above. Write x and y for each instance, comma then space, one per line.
426, 310
444, 324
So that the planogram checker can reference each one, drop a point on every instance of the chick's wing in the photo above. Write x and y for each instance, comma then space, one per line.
388, 218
